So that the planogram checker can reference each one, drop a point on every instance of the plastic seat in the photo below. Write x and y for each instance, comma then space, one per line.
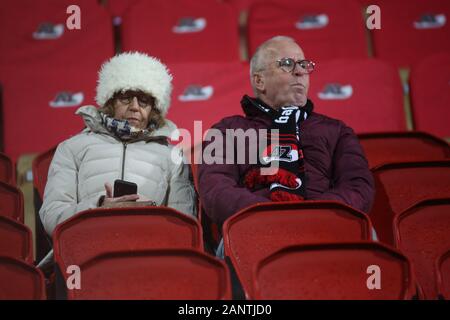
37, 33
430, 94
40, 167
52, 93
178, 30
260, 230
335, 271
170, 274
318, 26
422, 234
400, 185
411, 30
206, 93
20, 280
364, 93
443, 275
97, 231
7, 169
11, 202
15, 240
385, 147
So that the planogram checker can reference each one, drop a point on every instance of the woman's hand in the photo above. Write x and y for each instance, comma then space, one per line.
111, 202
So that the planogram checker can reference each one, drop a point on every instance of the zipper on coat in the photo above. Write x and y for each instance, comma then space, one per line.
123, 160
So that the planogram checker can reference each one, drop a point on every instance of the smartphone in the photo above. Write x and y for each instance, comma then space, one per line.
122, 188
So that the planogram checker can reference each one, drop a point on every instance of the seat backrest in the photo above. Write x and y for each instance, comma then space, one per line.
443, 275
11, 202
40, 167
20, 280
166, 274
422, 234
430, 94
349, 90
400, 185
179, 30
260, 230
6, 169
15, 240
342, 271
93, 232
385, 147
411, 30
318, 27
42, 33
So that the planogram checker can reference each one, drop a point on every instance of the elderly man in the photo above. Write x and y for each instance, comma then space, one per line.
323, 159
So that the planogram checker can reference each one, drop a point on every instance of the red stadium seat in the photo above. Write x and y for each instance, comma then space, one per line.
7, 169
339, 271
260, 230
422, 233
15, 240
40, 168
182, 30
206, 92
11, 202
50, 96
385, 147
167, 274
400, 185
411, 30
443, 275
366, 94
93, 232
430, 94
36, 33
320, 27
20, 280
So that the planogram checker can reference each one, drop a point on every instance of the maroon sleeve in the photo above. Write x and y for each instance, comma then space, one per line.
352, 181
220, 192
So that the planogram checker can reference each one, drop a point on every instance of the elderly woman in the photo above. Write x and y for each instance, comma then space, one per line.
126, 139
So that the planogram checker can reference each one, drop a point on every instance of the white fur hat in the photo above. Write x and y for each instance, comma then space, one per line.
135, 71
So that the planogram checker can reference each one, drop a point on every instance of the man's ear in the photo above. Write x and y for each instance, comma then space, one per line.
258, 80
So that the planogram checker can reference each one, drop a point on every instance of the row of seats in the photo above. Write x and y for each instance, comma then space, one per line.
177, 31
366, 94
278, 251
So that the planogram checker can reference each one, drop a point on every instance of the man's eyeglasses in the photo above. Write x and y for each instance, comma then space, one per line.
288, 65
144, 100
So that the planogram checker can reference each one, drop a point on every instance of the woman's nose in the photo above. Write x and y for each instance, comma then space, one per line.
134, 105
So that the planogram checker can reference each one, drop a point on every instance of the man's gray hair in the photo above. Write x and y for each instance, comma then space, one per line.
259, 58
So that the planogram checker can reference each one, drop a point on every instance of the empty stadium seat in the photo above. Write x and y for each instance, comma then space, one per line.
206, 92
400, 185
49, 97
40, 167
11, 202
411, 30
320, 27
385, 147
7, 169
339, 271
182, 30
36, 33
170, 274
443, 275
364, 93
422, 233
20, 280
430, 94
15, 240
260, 230
97, 231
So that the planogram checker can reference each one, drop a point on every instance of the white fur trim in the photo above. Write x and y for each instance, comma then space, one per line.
135, 71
